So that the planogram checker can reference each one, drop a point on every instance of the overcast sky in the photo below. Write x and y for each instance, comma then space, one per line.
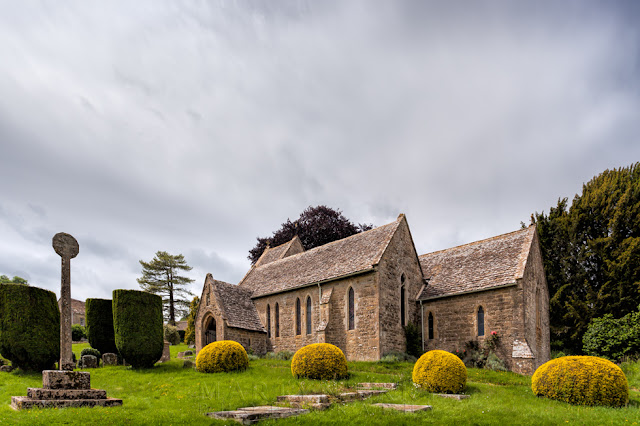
194, 127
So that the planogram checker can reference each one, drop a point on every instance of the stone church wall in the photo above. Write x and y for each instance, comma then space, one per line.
400, 259
358, 344
455, 320
536, 307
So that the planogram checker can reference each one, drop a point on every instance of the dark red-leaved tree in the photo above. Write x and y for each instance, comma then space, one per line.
316, 226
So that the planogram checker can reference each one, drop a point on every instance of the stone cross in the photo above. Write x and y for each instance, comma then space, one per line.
67, 247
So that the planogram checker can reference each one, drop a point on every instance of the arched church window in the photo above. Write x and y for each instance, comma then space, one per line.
277, 320
298, 317
402, 306
430, 326
352, 309
480, 321
269, 321
308, 314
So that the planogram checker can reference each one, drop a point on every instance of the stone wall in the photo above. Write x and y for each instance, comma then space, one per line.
400, 259
358, 344
455, 320
536, 306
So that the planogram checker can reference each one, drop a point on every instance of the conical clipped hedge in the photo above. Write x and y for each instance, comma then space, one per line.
582, 380
99, 317
137, 323
29, 327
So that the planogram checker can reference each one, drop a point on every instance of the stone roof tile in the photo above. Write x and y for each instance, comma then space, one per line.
237, 306
347, 256
476, 266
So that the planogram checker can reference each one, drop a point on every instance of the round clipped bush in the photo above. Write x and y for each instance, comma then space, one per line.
29, 327
322, 361
99, 316
222, 356
77, 332
582, 380
171, 334
137, 323
440, 372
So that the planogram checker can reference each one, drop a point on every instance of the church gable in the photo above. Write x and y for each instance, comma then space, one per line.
482, 265
276, 253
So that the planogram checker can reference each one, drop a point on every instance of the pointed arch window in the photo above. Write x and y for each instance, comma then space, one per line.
480, 321
298, 317
352, 309
277, 320
308, 315
269, 321
430, 325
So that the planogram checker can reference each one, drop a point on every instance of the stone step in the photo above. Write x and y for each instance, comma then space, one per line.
25, 403
37, 393
390, 386
318, 402
453, 396
250, 415
404, 407
361, 394
58, 379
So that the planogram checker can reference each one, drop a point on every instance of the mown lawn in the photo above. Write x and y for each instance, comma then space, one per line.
169, 394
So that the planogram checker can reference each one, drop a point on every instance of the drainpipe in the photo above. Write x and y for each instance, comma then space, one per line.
422, 323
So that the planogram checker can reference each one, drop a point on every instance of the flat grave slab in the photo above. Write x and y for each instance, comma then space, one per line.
406, 408
251, 415
453, 396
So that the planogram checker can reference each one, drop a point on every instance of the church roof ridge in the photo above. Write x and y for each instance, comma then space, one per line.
356, 253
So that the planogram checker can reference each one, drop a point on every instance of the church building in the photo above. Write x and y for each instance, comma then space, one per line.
359, 293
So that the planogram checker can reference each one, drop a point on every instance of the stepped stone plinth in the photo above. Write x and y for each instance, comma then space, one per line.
62, 389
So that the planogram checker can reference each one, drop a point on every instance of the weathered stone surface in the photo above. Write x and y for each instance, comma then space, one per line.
109, 359
250, 415
318, 402
180, 355
377, 385
67, 248
187, 363
166, 352
38, 393
453, 396
404, 407
56, 379
6, 368
361, 394
188, 353
24, 403
89, 361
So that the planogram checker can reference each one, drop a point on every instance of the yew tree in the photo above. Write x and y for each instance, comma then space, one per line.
316, 226
161, 276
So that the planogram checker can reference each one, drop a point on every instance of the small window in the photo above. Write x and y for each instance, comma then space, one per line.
298, 317
269, 321
308, 314
480, 321
277, 320
430, 326
402, 306
352, 309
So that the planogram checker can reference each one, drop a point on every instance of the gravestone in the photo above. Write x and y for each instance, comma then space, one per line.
109, 359
166, 352
89, 361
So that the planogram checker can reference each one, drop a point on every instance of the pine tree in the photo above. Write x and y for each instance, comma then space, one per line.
161, 276
190, 332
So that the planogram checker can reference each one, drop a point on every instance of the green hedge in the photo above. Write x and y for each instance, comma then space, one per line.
99, 316
29, 327
137, 322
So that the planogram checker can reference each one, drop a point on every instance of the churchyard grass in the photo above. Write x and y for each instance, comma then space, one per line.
170, 394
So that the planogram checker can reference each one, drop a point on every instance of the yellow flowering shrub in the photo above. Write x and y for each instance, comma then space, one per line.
321, 361
582, 380
222, 356
440, 372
